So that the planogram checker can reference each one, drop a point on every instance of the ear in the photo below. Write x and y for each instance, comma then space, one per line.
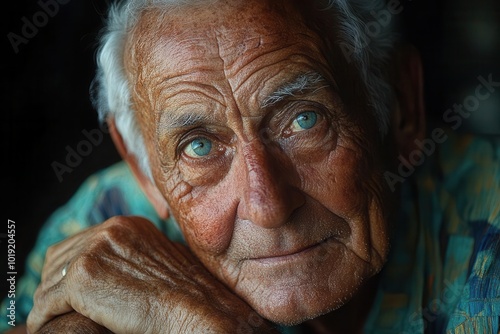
148, 187
409, 113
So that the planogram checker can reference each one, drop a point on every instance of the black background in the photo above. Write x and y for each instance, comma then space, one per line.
46, 105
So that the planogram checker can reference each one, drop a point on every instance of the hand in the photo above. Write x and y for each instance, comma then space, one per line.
72, 323
128, 277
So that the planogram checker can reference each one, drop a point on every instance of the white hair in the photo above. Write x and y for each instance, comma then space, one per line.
370, 51
112, 92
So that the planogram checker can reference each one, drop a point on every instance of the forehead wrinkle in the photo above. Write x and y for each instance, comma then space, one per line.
199, 112
273, 77
296, 52
206, 91
303, 42
255, 46
232, 110
247, 69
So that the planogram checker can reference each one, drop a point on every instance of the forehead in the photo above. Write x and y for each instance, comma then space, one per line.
238, 18
181, 39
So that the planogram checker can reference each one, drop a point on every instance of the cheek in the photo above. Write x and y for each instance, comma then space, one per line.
351, 187
206, 218
337, 181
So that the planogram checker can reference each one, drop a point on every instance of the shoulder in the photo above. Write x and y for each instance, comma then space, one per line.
109, 192
470, 197
466, 173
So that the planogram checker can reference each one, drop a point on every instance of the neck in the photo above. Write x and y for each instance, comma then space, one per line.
351, 317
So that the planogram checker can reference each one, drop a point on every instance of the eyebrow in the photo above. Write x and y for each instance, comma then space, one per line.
311, 81
185, 120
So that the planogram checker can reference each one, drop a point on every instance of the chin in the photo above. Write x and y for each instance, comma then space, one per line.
291, 293
295, 307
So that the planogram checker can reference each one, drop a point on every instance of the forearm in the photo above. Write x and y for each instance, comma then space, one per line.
71, 323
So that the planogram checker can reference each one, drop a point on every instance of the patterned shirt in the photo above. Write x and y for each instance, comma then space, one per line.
443, 271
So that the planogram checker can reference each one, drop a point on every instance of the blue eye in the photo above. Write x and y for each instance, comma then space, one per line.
305, 121
199, 147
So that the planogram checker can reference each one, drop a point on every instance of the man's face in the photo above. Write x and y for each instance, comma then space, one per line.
273, 183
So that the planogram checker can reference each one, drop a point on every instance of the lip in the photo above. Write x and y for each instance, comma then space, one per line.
291, 255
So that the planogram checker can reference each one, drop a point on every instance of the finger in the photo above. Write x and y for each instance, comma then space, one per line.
51, 297
49, 302
59, 254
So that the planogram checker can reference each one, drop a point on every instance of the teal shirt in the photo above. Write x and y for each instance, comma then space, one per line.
443, 272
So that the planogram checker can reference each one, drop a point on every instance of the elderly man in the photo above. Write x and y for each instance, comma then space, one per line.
264, 143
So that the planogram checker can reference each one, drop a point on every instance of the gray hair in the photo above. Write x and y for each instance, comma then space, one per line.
367, 52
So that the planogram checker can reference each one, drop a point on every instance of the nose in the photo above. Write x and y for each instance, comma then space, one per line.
268, 198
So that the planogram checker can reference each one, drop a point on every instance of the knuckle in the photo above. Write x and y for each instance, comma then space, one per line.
85, 267
119, 222
34, 322
39, 291
50, 251
116, 229
40, 298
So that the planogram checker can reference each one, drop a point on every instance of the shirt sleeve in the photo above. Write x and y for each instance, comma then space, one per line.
478, 310
110, 192
62, 223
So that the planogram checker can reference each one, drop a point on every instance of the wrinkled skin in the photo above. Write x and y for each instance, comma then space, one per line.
253, 199
111, 268
291, 220
73, 323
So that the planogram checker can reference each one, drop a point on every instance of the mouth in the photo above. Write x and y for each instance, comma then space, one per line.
289, 256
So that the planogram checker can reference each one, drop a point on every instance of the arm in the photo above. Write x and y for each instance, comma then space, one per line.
71, 323
20, 329
127, 276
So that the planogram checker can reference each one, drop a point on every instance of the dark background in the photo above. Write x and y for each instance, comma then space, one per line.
46, 105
